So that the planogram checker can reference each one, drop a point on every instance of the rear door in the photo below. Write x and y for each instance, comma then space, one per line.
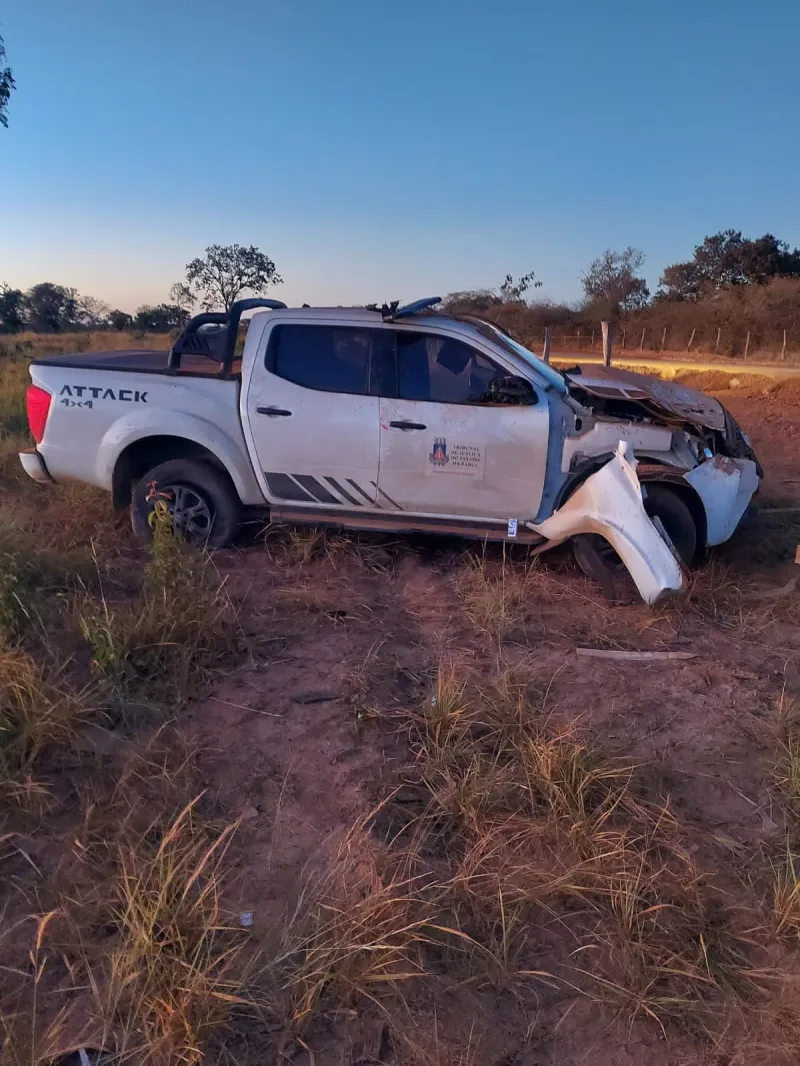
313, 414
444, 449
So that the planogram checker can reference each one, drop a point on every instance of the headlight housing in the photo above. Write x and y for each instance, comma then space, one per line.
737, 444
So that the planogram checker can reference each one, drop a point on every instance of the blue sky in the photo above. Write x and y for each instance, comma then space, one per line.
380, 150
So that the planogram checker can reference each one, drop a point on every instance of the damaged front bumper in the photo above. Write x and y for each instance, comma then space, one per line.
610, 503
726, 487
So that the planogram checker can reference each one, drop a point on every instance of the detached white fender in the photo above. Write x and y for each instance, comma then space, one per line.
141, 424
726, 487
609, 502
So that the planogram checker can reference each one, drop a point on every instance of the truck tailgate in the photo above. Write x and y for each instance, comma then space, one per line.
96, 411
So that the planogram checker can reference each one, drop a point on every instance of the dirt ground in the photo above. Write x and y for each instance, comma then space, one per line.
294, 750
306, 737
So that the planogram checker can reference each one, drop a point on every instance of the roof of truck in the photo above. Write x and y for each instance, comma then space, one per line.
347, 312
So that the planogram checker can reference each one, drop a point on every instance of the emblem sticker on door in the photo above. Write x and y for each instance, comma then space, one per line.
456, 457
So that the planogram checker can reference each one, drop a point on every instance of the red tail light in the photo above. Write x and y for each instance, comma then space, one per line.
38, 409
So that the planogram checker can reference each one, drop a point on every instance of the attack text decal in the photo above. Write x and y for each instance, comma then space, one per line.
85, 395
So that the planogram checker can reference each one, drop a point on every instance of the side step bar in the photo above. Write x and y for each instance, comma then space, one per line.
398, 522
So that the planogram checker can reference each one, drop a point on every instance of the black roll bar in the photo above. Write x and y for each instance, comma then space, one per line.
191, 342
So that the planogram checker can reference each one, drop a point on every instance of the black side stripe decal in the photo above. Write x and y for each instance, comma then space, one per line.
303, 488
342, 491
366, 495
282, 486
316, 488
387, 496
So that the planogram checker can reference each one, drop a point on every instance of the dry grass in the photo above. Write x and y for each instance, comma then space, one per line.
162, 644
787, 766
177, 968
357, 933
38, 711
496, 598
14, 381
786, 896
30, 345
528, 826
295, 546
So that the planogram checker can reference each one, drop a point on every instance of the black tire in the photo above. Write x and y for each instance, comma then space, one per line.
598, 560
200, 499
677, 519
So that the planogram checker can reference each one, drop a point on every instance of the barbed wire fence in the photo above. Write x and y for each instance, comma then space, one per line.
629, 339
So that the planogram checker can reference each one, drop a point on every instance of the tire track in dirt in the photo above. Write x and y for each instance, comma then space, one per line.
282, 746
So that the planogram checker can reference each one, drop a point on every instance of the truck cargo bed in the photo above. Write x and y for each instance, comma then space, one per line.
135, 360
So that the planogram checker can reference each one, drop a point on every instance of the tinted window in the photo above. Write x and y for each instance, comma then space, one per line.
437, 368
329, 358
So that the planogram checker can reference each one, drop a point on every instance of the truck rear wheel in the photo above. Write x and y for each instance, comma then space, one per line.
201, 503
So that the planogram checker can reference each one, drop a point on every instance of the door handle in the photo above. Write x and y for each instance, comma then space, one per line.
407, 425
273, 412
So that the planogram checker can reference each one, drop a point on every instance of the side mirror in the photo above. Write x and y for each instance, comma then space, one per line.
511, 389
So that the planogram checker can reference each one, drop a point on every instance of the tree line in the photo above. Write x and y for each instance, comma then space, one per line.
212, 281
734, 293
728, 276
613, 285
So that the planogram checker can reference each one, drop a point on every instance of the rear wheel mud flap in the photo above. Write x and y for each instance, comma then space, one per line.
609, 502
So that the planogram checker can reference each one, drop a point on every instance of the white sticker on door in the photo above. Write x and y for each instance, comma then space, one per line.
456, 457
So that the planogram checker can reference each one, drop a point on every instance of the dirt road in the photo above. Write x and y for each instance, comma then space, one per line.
670, 365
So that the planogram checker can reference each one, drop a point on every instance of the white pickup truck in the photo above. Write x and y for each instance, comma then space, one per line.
396, 419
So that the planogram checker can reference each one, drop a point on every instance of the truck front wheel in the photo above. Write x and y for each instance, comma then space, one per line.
600, 563
198, 500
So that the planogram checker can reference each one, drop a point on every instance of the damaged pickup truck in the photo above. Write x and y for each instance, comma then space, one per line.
396, 419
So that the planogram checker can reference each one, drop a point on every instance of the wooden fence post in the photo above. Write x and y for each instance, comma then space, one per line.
608, 338
546, 350
641, 342
716, 342
747, 344
622, 346
663, 338
783, 346
689, 345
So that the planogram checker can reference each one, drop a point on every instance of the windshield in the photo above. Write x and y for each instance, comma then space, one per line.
499, 336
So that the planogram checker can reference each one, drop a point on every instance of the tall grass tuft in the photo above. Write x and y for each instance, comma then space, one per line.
177, 968
158, 647
37, 711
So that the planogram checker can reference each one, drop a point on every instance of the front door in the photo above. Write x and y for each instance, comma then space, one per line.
446, 451
314, 424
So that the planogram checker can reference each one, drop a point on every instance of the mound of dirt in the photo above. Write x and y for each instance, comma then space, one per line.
787, 391
723, 381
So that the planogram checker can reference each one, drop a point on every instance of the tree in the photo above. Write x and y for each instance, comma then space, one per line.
728, 258
52, 308
12, 308
225, 272
513, 291
613, 283
7, 83
182, 296
91, 313
160, 319
478, 301
120, 319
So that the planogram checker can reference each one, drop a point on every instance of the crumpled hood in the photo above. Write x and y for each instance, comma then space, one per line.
672, 401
